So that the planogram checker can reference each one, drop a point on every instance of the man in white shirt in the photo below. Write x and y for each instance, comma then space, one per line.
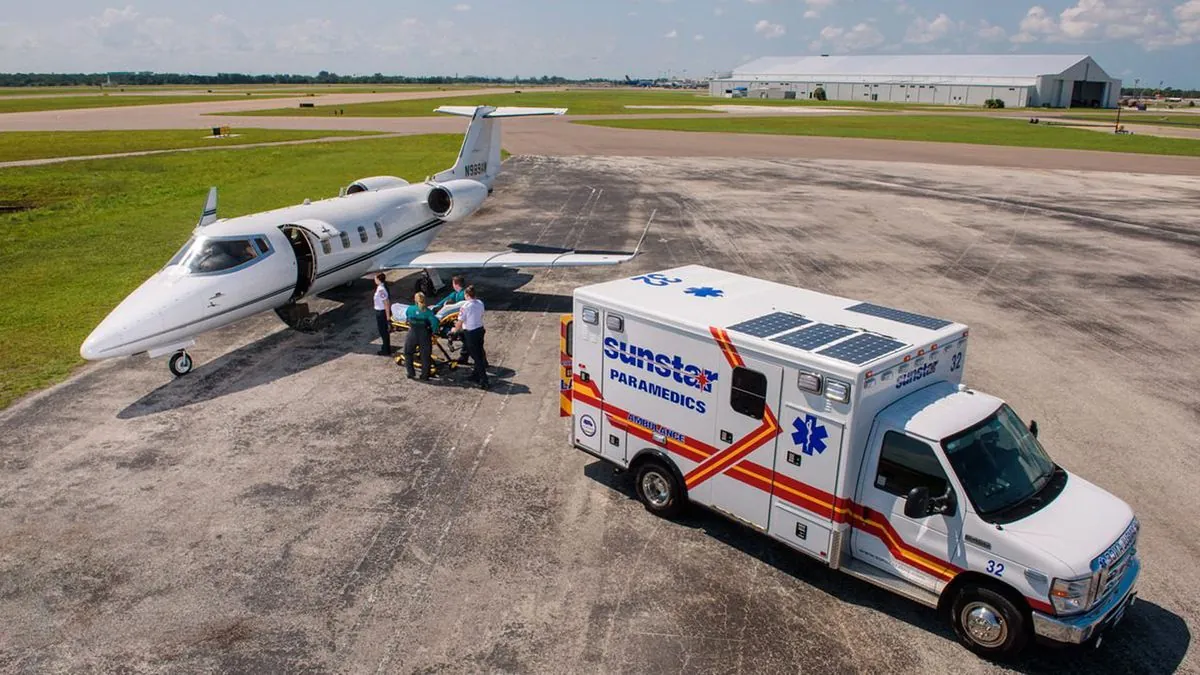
470, 322
383, 314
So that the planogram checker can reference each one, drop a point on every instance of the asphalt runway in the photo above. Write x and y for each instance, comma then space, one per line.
295, 504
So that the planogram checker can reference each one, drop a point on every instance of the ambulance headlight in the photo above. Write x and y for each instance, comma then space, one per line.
1071, 596
837, 391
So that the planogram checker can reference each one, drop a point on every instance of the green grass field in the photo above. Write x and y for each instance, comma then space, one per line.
598, 102
18, 145
79, 236
938, 128
12, 104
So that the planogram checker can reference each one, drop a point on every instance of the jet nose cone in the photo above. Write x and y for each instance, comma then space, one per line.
121, 333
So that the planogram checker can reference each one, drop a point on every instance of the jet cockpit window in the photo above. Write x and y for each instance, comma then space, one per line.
181, 252
206, 256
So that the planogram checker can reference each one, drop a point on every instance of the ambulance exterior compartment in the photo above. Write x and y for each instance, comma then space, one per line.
765, 401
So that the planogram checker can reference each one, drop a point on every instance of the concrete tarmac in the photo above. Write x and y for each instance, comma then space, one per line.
296, 505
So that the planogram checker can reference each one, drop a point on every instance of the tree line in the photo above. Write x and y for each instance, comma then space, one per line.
1168, 92
323, 77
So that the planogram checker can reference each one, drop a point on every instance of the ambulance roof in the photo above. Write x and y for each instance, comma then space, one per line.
849, 335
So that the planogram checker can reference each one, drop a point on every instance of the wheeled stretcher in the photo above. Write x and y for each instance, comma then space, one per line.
440, 360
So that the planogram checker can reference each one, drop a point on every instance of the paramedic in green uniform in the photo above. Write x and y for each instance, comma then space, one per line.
456, 296
422, 324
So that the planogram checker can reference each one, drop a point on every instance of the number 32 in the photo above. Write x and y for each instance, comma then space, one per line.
996, 568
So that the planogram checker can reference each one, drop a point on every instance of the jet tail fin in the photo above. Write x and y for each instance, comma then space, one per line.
479, 156
209, 214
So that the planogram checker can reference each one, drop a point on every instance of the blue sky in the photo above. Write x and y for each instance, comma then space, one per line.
1153, 40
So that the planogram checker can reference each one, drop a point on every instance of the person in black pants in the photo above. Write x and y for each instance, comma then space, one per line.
383, 314
422, 324
470, 323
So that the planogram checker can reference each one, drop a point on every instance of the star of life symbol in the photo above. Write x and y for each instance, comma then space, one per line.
809, 435
705, 292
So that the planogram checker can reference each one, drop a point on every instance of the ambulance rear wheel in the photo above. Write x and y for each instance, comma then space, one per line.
658, 489
988, 623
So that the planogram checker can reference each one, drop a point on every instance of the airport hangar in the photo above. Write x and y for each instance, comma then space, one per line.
1020, 80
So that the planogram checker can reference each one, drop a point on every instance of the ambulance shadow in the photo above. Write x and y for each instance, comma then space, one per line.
1150, 639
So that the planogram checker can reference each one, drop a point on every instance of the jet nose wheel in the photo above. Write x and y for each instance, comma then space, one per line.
180, 363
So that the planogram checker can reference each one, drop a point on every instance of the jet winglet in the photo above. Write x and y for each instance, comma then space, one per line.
209, 214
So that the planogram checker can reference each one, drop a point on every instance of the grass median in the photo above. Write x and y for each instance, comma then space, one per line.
935, 128
11, 104
79, 236
601, 102
19, 145
1162, 119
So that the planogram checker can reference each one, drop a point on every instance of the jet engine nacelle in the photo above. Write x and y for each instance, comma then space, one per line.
456, 199
375, 184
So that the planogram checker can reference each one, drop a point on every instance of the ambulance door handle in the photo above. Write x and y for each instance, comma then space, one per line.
726, 437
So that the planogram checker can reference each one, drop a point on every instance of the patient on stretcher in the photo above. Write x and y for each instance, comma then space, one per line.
399, 309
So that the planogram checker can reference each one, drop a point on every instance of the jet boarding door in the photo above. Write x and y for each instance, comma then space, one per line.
747, 409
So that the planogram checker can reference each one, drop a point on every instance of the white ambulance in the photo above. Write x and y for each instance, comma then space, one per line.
842, 429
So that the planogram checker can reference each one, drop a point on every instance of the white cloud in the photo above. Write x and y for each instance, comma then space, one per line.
718, 11
462, 7
769, 30
1146, 22
816, 6
672, 33
698, 38
861, 36
923, 31
991, 33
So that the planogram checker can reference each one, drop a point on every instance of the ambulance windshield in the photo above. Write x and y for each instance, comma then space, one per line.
1000, 463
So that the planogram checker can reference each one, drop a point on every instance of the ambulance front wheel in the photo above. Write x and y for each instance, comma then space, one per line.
988, 623
658, 489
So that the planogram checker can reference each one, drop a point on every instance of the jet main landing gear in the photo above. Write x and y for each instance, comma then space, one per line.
180, 363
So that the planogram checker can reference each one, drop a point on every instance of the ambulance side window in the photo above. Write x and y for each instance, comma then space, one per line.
748, 392
906, 463
570, 338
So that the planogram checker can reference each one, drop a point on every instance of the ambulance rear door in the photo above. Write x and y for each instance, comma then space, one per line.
586, 359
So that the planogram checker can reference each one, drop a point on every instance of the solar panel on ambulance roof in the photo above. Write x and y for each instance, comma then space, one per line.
900, 316
770, 324
813, 336
861, 349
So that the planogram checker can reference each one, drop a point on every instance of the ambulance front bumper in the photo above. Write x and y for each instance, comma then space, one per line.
1083, 627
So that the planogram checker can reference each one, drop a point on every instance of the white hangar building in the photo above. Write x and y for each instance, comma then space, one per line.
1054, 80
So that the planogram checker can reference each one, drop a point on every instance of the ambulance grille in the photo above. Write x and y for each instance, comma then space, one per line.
771, 324
862, 349
813, 336
899, 316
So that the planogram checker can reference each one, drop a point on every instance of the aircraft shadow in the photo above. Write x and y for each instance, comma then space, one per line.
345, 328
1150, 639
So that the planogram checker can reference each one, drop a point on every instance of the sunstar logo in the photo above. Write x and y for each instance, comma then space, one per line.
670, 366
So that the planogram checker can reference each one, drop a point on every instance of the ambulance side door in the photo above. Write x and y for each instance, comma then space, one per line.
747, 428
919, 549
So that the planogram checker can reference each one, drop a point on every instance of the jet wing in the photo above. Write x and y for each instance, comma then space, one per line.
509, 258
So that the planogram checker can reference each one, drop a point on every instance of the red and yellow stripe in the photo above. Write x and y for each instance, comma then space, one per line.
565, 366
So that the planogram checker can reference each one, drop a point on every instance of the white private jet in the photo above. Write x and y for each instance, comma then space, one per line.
233, 268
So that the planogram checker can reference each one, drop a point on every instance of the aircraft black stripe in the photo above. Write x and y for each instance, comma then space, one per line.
420, 229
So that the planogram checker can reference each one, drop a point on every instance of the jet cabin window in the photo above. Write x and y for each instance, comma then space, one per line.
206, 256
906, 463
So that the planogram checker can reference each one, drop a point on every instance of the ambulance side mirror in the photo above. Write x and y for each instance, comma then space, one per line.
1033, 428
916, 505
